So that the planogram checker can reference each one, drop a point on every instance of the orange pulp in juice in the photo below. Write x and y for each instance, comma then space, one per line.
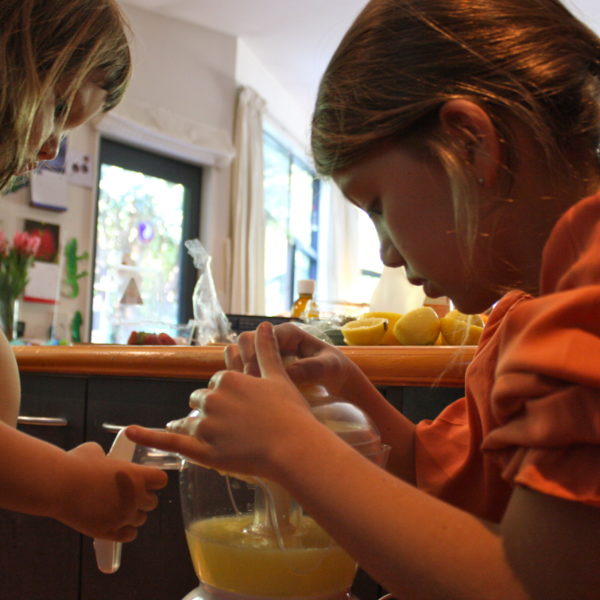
228, 555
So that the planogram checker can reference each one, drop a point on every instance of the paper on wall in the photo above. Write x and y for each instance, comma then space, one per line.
49, 190
43, 283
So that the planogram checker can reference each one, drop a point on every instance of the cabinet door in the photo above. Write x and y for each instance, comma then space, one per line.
39, 557
157, 564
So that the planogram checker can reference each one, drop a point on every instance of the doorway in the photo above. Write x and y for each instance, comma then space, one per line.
147, 206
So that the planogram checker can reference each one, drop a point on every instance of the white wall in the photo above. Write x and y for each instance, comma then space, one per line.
74, 222
189, 71
283, 113
183, 75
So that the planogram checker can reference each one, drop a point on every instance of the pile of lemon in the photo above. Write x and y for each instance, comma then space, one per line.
419, 327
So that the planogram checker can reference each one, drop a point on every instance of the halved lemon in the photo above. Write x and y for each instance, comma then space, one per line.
365, 331
459, 329
418, 327
475, 319
389, 339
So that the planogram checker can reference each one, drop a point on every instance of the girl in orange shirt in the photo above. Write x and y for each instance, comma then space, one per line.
468, 130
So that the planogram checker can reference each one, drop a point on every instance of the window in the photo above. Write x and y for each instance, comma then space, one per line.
370, 260
143, 278
291, 192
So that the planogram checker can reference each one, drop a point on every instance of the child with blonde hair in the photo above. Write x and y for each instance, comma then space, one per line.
61, 63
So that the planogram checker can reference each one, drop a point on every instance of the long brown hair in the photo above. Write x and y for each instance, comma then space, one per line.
401, 60
45, 43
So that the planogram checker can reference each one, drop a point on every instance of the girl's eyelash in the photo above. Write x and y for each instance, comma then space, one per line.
59, 109
374, 209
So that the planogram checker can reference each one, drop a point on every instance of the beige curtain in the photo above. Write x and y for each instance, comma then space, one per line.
247, 290
339, 264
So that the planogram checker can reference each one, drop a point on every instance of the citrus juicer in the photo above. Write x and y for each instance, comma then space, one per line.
247, 536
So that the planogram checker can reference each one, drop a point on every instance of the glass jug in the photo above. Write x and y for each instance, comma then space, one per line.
247, 536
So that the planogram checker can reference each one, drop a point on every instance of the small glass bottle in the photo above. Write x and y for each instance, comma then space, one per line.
306, 289
311, 313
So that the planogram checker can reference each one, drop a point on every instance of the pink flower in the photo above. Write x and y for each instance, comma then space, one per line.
26, 244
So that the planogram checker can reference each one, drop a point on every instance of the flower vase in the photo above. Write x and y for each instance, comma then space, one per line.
8, 304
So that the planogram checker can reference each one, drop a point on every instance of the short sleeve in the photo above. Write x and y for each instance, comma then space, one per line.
449, 463
546, 396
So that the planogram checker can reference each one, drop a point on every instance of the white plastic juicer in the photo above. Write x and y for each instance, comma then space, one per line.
247, 537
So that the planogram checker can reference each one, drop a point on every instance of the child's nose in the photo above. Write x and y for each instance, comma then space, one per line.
49, 150
390, 257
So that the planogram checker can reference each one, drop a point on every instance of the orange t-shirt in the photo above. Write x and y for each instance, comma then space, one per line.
531, 411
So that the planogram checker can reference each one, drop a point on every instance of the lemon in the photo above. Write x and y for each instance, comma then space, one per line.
389, 339
471, 319
365, 332
459, 329
418, 327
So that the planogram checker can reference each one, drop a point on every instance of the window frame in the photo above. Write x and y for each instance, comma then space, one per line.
294, 245
190, 175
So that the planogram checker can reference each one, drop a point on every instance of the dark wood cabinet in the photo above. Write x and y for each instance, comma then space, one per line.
88, 392
39, 557
157, 564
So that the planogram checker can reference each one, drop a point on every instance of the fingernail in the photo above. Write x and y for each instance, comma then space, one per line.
131, 431
266, 326
175, 425
196, 398
187, 425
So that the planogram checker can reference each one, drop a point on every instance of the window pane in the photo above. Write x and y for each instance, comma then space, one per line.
139, 235
277, 279
302, 267
369, 245
276, 183
301, 226
291, 208
370, 261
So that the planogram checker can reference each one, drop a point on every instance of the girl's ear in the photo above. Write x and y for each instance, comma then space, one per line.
474, 133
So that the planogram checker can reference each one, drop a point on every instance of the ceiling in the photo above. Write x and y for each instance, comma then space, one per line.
294, 39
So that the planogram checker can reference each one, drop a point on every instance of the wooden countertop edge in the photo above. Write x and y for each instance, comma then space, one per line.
385, 365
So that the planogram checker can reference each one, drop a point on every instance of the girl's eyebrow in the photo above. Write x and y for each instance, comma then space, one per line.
348, 197
345, 189
353, 193
351, 200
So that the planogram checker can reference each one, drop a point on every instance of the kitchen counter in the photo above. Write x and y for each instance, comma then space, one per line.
85, 392
384, 365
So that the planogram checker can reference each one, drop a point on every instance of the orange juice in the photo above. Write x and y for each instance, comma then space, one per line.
228, 555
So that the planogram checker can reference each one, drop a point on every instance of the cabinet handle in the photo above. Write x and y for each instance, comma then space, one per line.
112, 428
42, 421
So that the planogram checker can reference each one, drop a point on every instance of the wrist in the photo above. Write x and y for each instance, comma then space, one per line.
295, 457
61, 489
358, 389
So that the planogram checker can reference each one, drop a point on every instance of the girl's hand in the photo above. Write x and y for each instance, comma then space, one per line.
321, 363
106, 498
318, 361
247, 419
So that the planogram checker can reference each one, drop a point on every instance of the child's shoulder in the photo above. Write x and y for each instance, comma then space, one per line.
10, 388
572, 254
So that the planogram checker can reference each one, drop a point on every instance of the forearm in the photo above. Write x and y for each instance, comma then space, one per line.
32, 473
396, 430
413, 544
10, 387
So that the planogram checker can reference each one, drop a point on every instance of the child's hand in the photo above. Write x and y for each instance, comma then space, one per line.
248, 421
319, 362
106, 498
